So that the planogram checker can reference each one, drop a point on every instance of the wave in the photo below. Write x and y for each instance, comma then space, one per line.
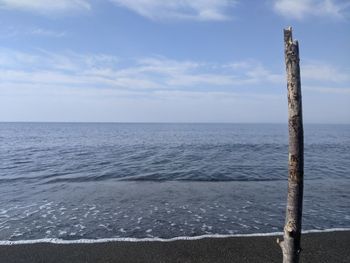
150, 179
155, 239
87, 179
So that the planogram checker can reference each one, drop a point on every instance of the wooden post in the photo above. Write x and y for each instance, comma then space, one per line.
292, 229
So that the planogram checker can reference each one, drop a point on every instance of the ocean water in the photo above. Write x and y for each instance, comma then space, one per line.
92, 181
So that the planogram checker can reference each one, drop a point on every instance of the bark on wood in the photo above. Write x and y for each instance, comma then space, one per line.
292, 229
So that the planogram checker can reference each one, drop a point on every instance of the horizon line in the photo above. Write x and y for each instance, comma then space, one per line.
166, 122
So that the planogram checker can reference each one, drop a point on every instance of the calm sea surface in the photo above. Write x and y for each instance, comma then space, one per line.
74, 181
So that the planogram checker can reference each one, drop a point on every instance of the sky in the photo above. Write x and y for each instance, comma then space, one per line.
171, 60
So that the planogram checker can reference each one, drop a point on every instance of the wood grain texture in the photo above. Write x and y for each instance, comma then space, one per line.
292, 229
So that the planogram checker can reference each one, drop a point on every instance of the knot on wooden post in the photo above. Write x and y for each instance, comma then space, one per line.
290, 228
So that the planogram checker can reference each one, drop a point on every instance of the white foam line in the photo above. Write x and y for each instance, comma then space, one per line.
155, 239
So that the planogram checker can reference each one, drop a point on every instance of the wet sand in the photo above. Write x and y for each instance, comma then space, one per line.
329, 247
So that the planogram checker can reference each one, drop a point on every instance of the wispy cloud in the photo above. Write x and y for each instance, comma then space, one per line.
67, 85
320, 71
147, 82
328, 90
45, 6
47, 33
300, 9
152, 75
11, 32
200, 10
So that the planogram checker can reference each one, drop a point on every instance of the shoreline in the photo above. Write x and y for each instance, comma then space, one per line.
156, 239
325, 247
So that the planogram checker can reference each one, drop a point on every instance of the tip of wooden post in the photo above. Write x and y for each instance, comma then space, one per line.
289, 28
288, 36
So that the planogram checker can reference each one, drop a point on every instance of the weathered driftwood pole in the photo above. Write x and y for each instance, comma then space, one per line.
292, 229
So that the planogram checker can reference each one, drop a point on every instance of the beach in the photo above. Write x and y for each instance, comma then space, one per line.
324, 247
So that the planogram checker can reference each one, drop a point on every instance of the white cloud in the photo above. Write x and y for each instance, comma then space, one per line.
45, 6
299, 9
200, 10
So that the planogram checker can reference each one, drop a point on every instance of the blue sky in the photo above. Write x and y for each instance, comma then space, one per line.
171, 61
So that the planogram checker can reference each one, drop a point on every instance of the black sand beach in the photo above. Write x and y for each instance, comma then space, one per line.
329, 247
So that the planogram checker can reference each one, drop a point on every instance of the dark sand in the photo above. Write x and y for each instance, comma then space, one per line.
330, 247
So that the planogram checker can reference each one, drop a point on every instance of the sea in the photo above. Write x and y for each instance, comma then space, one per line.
137, 181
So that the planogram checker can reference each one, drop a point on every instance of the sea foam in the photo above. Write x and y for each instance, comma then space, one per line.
154, 239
